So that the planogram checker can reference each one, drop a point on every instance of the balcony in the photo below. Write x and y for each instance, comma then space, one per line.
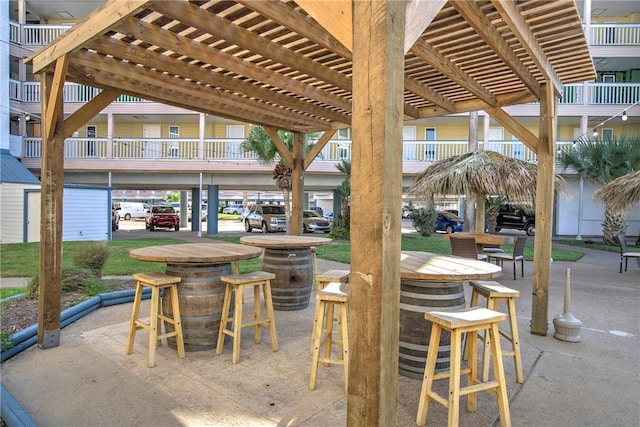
177, 149
599, 93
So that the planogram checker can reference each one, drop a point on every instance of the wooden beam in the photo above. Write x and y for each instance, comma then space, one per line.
297, 185
56, 94
518, 26
441, 63
199, 93
181, 99
544, 211
52, 187
299, 23
420, 13
88, 111
522, 133
284, 152
135, 54
429, 94
175, 42
194, 16
335, 16
475, 104
318, 146
97, 24
476, 18
376, 182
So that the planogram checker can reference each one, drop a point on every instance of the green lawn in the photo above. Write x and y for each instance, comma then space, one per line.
21, 259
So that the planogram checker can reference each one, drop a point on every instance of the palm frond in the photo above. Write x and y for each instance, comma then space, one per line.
621, 193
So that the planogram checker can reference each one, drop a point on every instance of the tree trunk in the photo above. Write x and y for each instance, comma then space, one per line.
613, 225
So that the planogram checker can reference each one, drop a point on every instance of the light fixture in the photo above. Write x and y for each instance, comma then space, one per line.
27, 117
624, 116
595, 133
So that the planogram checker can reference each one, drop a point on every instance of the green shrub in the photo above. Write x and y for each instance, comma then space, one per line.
424, 220
92, 255
73, 280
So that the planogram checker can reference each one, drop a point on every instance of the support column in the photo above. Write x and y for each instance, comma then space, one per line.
109, 135
212, 209
52, 187
544, 211
196, 203
376, 202
184, 208
470, 216
297, 184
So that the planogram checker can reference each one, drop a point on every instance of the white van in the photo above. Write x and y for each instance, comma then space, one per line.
130, 210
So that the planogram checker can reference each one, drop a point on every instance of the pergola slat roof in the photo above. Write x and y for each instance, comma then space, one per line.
271, 63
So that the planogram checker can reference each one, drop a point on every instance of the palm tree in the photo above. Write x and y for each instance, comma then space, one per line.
602, 162
259, 143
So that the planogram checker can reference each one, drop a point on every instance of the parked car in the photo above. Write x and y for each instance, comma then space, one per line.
203, 213
130, 210
317, 209
233, 210
328, 215
448, 222
162, 216
268, 218
176, 207
115, 217
313, 222
517, 217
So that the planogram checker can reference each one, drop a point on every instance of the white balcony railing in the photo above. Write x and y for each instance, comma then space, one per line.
615, 34
42, 35
599, 93
230, 149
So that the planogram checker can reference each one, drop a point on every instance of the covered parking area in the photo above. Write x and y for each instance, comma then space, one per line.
310, 66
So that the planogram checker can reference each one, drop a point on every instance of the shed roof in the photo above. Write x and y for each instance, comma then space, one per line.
12, 171
287, 64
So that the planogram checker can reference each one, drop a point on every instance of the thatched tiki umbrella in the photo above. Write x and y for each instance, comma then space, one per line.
479, 172
621, 193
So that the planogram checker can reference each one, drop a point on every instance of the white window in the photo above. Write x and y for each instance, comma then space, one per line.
92, 133
607, 134
174, 147
235, 131
430, 149
344, 133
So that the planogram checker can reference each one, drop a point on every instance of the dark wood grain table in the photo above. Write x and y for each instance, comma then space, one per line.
200, 293
289, 258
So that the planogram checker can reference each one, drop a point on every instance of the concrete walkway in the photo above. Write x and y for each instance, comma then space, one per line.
89, 381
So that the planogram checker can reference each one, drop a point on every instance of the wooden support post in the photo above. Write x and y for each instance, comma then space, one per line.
297, 184
376, 182
544, 211
52, 178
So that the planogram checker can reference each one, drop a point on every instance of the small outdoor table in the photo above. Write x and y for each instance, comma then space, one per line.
430, 282
485, 239
200, 293
289, 258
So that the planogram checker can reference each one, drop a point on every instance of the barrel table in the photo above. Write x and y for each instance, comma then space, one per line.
200, 292
431, 282
289, 258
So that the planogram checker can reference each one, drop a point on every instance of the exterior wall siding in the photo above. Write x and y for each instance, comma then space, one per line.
12, 208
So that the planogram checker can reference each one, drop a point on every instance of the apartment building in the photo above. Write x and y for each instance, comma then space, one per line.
137, 147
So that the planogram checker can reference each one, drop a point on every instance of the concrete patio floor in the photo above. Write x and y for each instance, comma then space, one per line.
89, 381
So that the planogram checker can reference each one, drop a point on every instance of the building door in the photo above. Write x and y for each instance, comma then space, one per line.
409, 146
151, 149
33, 216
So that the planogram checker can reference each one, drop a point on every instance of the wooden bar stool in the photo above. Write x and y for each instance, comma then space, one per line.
156, 281
333, 296
329, 276
494, 292
458, 323
237, 282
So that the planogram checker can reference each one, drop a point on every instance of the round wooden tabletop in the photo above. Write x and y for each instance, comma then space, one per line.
218, 252
484, 238
284, 241
444, 268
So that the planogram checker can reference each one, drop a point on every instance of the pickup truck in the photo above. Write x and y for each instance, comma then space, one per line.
516, 217
162, 216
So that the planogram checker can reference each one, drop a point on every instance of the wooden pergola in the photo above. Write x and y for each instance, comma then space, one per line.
316, 66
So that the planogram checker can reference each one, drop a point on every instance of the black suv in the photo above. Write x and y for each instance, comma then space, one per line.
513, 216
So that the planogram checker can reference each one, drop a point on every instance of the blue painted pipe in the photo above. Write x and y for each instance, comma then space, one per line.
12, 413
